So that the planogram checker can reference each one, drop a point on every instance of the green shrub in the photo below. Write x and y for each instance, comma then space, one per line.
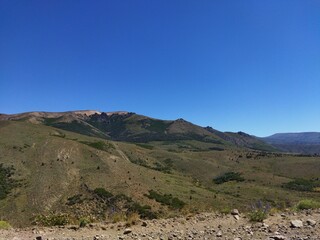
75, 199
146, 146
100, 145
307, 204
4, 225
259, 211
302, 185
166, 199
114, 201
83, 222
227, 177
7, 183
101, 192
51, 219
144, 211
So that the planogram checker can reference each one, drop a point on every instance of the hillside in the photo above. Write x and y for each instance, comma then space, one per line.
49, 172
131, 127
304, 142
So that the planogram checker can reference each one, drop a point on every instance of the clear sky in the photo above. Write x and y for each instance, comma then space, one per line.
234, 65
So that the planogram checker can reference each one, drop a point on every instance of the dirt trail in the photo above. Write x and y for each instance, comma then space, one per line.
201, 226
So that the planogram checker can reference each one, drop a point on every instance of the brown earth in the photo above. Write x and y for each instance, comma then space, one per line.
200, 226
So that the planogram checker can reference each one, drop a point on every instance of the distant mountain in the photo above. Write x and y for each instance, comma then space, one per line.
132, 127
304, 142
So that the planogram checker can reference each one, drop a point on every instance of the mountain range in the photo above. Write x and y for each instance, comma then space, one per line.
304, 142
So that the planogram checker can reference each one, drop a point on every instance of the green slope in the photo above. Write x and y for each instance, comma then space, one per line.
53, 166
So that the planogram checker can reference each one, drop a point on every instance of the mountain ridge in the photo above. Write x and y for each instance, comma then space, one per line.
132, 127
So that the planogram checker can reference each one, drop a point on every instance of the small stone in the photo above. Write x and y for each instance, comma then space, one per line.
235, 212
127, 231
311, 222
236, 217
296, 224
219, 234
144, 224
278, 237
39, 238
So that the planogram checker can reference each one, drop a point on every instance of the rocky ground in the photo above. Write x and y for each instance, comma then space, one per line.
294, 226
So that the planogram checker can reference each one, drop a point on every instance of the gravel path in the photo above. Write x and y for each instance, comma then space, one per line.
294, 226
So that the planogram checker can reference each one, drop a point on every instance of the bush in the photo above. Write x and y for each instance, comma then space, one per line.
307, 204
227, 177
119, 217
302, 185
6, 181
83, 222
51, 219
146, 146
144, 211
75, 199
132, 219
4, 225
101, 192
100, 145
166, 199
259, 211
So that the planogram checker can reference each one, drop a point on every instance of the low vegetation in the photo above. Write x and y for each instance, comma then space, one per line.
227, 177
259, 211
166, 199
4, 225
307, 204
127, 203
74, 199
100, 145
51, 219
102, 193
303, 185
84, 221
146, 146
7, 183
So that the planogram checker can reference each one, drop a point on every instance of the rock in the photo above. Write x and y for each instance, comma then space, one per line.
311, 222
296, 224
278, 237
236, 217
39, 238
127, 231
75, 228
219, 234
144, 224
237, 238
235, 212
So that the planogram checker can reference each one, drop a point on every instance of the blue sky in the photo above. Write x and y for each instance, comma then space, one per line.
234, 65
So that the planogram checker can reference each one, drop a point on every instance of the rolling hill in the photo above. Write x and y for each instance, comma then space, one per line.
58, 167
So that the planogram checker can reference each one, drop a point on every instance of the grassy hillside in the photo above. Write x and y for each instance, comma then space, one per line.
58, 171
